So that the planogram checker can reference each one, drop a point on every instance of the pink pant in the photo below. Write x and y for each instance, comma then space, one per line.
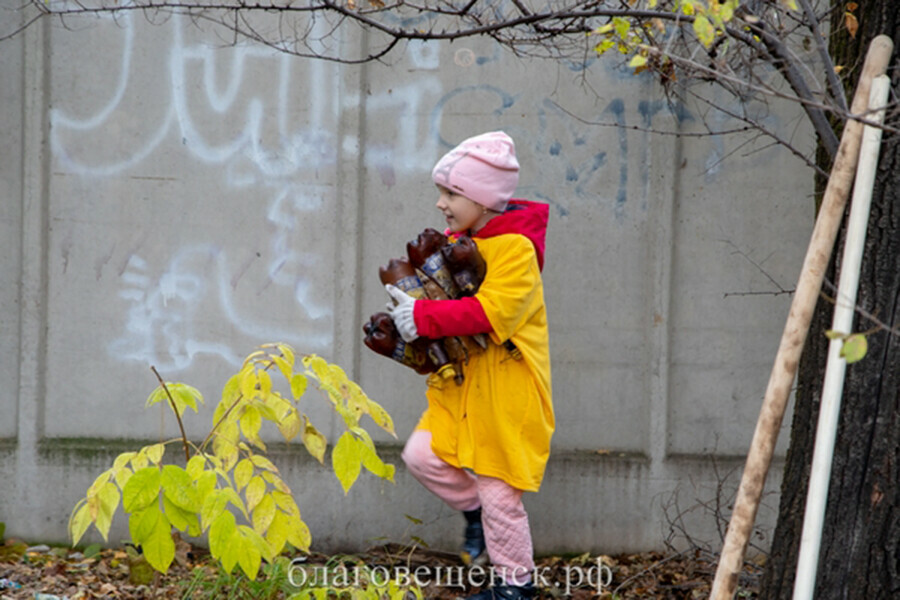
503, 515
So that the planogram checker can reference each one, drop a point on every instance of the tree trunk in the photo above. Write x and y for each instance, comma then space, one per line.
860, 553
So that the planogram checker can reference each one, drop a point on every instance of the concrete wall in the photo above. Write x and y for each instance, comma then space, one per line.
170, 202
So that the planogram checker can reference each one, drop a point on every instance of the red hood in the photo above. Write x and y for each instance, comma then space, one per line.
522, 217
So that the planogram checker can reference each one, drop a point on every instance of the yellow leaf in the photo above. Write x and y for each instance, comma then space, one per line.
284, 366
213, 507
249, 558
263, 463
381, 416
251, 422
706, 33
195, 466
290, 425
248, 382
637, 61
286, 503
298, 533
242, 474
346, 459
154, 452
287, 352
256, 488
851, 24
277, 534
314, 441
79, 521
854, 348
265, 383
263, 514
109, 501
298, 385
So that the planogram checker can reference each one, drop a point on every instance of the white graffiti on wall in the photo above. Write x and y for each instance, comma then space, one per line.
253, 138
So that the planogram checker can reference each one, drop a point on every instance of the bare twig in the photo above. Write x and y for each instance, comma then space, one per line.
184, 440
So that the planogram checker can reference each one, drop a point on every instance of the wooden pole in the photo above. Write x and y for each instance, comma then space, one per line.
836, 366
796, 328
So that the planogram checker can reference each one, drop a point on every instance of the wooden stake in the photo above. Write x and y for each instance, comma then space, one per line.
818, 254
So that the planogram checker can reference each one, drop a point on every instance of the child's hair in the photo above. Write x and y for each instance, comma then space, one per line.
483, 168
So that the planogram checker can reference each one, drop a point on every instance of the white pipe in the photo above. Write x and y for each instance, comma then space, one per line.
829, 411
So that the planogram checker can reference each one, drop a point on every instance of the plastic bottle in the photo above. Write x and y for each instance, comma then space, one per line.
401, 273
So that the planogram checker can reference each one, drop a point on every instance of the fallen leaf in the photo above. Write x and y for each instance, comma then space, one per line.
851, 23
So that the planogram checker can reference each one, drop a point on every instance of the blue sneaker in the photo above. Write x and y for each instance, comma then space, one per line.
505, 592
473, 552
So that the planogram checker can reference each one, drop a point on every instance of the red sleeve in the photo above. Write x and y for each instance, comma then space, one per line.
445, 318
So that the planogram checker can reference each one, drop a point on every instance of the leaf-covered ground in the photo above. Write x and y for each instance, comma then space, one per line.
42, 573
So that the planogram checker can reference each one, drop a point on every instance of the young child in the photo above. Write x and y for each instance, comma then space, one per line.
498, 423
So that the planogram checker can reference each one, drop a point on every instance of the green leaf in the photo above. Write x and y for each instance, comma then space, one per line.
178, 487
346, 459
141, 490
243, 471
141, 524
298, 385
185, 396
158, 547
213, 507
854, 348
156, 396
831, 334
181, 519
221, 532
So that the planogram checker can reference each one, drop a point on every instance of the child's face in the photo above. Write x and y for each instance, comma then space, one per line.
461, 213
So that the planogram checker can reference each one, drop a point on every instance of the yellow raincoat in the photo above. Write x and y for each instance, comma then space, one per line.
499, 422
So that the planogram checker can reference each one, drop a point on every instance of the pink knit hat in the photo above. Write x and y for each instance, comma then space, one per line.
482, 168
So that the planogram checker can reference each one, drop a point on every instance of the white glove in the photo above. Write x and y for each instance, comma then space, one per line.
402, 313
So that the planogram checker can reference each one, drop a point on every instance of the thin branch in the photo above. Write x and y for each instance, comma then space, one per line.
184, 440
834, 83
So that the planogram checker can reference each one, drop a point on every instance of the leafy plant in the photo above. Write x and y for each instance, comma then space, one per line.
228, 489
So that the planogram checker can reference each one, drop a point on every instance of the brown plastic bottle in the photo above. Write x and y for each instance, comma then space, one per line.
401, 273
425, 254
465, 265
382, 337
